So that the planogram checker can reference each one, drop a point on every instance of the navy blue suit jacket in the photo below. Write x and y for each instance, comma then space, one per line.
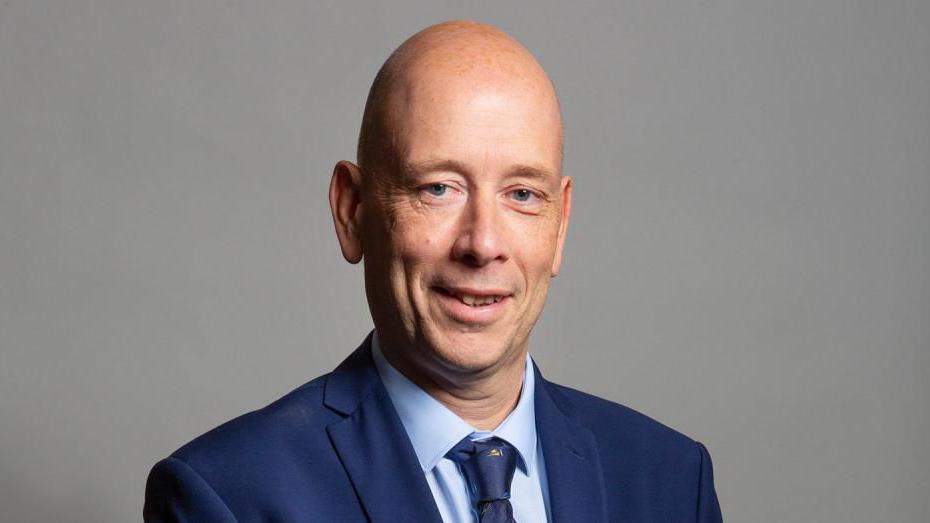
335, 450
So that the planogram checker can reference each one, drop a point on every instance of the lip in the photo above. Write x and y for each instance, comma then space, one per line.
480, 315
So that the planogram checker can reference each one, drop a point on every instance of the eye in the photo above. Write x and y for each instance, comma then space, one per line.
436, 189
522, 195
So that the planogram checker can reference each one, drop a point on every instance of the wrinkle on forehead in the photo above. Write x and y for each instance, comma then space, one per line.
447, 60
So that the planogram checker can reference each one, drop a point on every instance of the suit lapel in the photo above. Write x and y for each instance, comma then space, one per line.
573, 466
373, 446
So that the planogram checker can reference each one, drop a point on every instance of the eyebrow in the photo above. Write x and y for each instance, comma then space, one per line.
412, 169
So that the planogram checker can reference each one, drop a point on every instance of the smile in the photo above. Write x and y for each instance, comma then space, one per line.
476, 300
473, 306
473, 298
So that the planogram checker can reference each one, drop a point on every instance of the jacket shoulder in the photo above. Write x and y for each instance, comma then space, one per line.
651, 471
273, 464
618, 425
271, 434
602, 414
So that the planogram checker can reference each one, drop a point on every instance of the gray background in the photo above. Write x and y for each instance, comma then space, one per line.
748, 260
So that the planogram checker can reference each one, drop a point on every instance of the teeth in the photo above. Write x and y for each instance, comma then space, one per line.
477, 301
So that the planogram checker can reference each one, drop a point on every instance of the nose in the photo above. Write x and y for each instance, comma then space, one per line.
481, 239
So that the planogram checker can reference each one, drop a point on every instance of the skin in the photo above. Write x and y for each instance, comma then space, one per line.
458, 191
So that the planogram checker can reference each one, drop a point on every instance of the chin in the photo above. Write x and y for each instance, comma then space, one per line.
471, 351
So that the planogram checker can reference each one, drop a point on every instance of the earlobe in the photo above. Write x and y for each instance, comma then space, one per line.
345, 202
563, 224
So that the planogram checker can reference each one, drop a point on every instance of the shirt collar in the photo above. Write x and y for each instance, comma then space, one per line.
433, 429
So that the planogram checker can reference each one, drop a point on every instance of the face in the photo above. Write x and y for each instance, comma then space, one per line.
462, 236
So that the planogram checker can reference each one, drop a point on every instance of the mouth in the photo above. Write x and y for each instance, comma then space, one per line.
473, 298
473, 306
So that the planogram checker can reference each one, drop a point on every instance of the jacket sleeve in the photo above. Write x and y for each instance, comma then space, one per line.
175, 493
708, 509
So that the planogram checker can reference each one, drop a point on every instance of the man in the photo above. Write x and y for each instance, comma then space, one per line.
459, 209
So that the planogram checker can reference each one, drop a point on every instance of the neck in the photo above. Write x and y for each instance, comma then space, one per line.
482, 402
482, 398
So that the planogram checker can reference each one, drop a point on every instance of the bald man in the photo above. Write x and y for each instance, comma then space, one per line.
459, 209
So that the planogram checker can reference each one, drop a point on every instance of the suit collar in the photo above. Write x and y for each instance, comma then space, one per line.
352, 381
373, 446
573, 466
381, 463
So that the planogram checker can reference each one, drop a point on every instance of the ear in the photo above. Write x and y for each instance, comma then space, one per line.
345, 200
563, 224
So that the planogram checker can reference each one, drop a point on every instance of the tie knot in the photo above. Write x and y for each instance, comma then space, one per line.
488, 467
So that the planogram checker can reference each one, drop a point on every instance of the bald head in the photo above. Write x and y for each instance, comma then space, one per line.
443, 64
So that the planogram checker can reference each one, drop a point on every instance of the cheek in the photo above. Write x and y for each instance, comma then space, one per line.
536, 243
419, 249
423, 235
415, 244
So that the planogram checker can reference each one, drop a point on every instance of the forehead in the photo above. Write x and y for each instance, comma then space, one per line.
483, 123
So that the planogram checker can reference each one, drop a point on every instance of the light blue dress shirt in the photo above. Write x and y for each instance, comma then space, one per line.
434, 430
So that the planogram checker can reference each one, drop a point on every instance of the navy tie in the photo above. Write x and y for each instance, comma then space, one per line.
488, 467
